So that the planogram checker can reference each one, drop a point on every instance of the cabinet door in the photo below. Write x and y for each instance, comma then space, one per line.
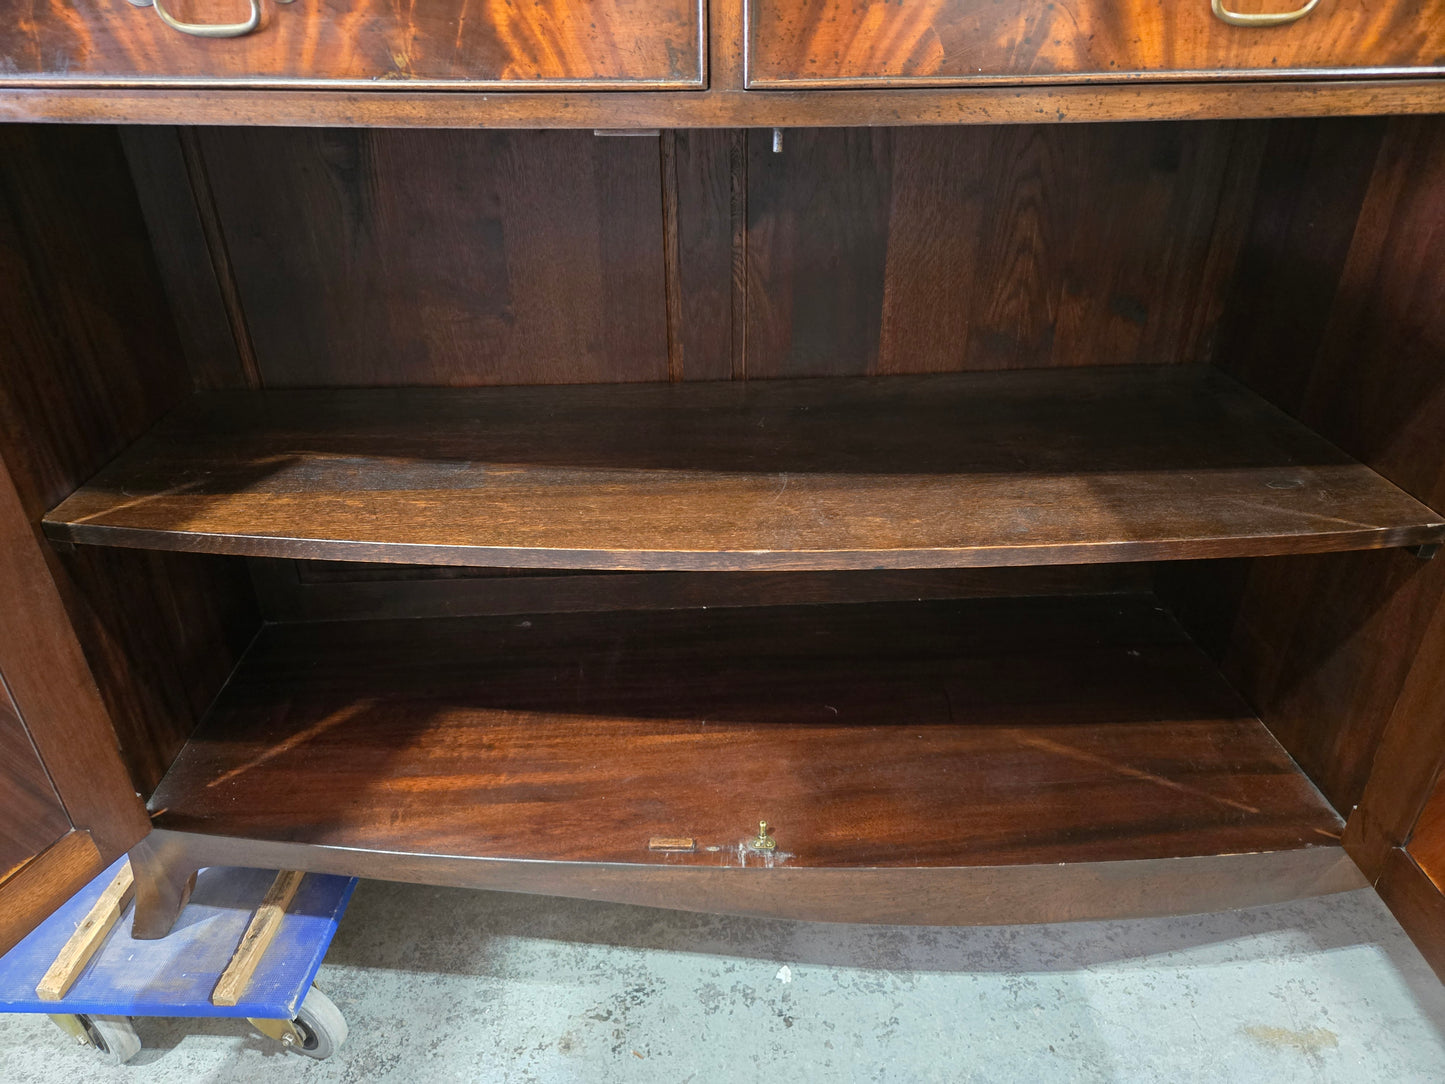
541, 44
960, 42
31, 816
67, 808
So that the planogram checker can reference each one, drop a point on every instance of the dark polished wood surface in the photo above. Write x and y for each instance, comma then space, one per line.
90, 361
31, 815
911, 734
439, 258
1038, 467
951, 42
443, 258
363, 43
1427, 840
330, 591
1337, 316
904, 250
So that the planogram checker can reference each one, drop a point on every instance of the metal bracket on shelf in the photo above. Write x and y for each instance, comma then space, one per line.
1427, 551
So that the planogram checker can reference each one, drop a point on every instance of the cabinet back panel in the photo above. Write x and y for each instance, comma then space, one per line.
334, 590
444, 258
902, 250
461, 257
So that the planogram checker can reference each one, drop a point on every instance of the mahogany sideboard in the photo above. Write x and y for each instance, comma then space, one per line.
997, 445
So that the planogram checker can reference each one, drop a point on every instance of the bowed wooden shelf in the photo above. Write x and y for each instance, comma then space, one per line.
1064, 466
921, 762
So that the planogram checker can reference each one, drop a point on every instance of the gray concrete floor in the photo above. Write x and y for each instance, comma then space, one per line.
442, 985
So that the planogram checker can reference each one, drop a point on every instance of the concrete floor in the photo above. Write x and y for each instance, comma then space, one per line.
443, 985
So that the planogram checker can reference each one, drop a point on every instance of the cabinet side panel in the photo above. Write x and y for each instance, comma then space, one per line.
91, 361
1350, 337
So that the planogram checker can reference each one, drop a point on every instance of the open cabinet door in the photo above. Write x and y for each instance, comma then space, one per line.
67, 806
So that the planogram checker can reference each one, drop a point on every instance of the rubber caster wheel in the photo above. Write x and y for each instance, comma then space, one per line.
113, 1036
322, 1027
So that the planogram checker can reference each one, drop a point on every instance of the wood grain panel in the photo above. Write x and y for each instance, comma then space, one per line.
1427, 841
91, 360
911, 250
712, 201
375, 258
31, 815
1054, 466
175, 195
1329, 650
52, 687
362, 43
917, 734
958, 42
1321, 646
31, 893
1312, 183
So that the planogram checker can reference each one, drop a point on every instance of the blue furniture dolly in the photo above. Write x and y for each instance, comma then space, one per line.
217, 952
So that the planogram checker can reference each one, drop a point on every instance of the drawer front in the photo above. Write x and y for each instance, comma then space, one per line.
957, 42
507, 44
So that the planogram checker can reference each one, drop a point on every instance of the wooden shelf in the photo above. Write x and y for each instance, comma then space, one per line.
981, 733
1023, 468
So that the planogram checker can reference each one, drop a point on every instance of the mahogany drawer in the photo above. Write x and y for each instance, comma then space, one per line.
505, 44
864, 43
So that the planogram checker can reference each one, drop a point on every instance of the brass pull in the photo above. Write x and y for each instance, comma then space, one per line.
1239, 18
208, 30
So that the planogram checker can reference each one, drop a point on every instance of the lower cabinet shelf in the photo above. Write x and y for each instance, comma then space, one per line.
987, 760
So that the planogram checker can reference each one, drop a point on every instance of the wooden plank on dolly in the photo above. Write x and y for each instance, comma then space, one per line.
265, 924
88, 937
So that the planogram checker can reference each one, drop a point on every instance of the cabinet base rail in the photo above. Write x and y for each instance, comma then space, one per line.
166, 861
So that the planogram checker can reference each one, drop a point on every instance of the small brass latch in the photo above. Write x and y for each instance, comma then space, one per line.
765, 841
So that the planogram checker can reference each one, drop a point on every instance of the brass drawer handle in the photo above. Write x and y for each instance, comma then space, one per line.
208, 30
1237, 18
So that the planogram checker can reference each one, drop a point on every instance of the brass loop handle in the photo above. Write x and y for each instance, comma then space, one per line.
1239, 18
209, 30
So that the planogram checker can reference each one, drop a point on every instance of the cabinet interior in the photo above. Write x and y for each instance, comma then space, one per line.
977, 495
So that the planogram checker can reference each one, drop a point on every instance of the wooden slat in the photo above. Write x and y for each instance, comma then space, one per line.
1047, 467
94, 928
989, 732
264, 926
